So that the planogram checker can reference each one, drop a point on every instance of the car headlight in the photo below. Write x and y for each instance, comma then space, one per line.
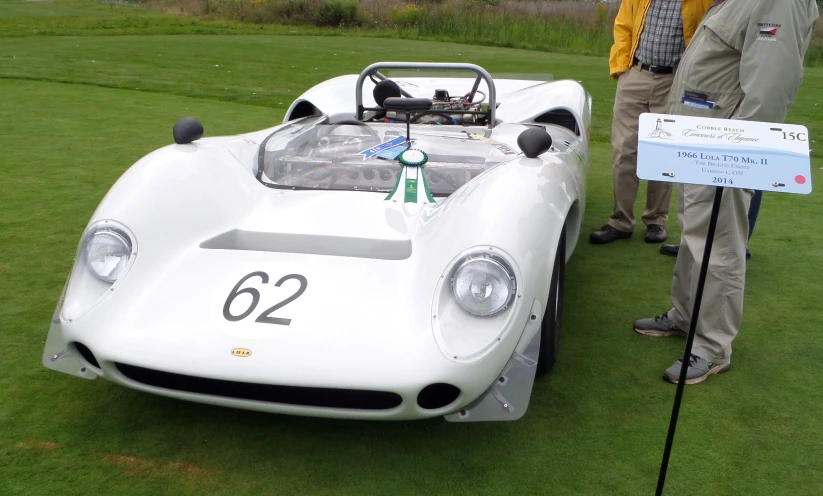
107, 252
476, 303
483, 285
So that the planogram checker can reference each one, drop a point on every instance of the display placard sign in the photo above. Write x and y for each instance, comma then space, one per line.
722, 152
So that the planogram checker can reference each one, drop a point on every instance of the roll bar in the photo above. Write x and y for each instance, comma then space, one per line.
481, 73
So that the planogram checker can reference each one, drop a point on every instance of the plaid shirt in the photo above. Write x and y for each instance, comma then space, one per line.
661, 42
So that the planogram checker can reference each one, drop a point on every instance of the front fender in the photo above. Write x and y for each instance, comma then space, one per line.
520, 207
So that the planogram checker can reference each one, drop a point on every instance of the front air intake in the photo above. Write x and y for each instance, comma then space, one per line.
87, 355
351, 399
438, 395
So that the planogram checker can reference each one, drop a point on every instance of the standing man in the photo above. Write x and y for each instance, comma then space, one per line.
747, 59
754, 211
650, 36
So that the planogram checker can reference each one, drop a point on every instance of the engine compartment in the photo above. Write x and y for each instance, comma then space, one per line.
347, 156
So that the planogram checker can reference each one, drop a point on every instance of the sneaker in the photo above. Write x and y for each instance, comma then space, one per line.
670, 250
658, 327
655, 233
699, 370
607, 234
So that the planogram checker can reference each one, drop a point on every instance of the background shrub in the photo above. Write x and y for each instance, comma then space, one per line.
291, 10
480, 3
571, 26
337, 13
407, 15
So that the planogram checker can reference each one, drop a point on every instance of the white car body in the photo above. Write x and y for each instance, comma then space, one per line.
376, 314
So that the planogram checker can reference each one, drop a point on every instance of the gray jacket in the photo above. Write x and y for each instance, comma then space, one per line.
746, 59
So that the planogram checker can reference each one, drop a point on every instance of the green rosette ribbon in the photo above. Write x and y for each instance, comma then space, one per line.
411, 186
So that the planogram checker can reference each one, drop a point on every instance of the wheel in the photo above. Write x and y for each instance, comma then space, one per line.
550, 326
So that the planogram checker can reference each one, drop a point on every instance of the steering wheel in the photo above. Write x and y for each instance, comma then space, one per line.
325, 134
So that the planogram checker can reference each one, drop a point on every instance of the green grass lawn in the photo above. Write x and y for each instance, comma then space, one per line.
77, 111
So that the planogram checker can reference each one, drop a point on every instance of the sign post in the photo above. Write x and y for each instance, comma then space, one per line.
725, 154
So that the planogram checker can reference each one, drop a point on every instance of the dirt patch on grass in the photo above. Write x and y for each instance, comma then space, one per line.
131, 464
188, 469
141, 466
41, 446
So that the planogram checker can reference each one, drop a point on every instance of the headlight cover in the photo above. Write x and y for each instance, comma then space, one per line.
106, 253
476, 303
483, 285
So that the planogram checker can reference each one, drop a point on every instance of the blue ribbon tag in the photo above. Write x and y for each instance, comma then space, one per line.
393, 152
371, 152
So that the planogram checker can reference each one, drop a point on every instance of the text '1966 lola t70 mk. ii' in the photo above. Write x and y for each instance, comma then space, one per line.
394, 250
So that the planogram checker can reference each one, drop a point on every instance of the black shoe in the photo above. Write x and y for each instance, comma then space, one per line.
670, 250
607, 234
655, 233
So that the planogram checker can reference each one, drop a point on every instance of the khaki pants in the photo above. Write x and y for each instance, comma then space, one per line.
638, 91
721, 308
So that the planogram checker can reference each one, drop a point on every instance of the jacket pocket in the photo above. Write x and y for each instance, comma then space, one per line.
718, 112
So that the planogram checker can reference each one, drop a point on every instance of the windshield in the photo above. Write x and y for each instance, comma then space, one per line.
313, 154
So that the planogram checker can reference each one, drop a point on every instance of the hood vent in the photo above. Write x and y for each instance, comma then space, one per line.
311, 244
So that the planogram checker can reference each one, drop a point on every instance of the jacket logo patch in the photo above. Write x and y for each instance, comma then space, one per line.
768, 30
241, 352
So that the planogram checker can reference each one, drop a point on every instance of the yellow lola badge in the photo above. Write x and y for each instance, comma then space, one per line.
241, 352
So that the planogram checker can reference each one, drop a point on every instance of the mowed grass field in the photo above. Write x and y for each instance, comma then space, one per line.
77, 111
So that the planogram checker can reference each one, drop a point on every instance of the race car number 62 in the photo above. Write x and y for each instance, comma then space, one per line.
263, 318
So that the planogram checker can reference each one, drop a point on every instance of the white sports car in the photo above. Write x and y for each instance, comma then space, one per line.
391, 251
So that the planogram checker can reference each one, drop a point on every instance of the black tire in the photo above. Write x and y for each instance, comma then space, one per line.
550, 326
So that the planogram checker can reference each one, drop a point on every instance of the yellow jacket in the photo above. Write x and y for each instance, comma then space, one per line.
629, 24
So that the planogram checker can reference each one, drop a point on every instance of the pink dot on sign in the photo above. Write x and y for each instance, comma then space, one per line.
800, 179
